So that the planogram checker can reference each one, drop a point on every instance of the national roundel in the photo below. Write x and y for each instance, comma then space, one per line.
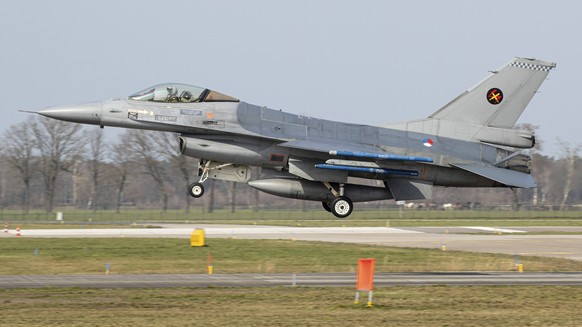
494, 96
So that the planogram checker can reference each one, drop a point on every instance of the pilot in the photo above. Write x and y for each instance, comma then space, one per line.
172, 94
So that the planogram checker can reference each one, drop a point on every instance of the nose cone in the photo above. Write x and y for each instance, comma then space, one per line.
89, 113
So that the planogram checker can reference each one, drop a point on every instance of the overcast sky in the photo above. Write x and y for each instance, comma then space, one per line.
369, 62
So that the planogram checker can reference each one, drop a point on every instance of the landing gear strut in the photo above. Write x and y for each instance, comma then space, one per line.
341, 206
196, 190
219, 170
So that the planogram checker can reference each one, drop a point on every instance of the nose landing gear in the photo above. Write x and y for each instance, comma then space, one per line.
196, 190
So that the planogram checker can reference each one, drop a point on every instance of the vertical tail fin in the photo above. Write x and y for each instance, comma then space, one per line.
500, 99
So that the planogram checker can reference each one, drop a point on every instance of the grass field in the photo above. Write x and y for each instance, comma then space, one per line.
153, 255
280, 306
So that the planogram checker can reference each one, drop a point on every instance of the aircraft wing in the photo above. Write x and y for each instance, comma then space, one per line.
360, 158
325, 147
351, 150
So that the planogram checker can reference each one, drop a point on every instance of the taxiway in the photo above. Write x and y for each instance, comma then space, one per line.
264, 280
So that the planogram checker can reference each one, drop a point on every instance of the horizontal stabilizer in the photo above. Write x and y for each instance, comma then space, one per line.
379, 156
406, 189
501, 175
383, 171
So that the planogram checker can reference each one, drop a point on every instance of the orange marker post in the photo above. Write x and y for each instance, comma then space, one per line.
17, 230
365, 279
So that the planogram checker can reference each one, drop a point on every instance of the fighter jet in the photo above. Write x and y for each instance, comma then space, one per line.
470, 142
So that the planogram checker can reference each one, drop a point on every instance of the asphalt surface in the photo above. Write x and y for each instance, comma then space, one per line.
265, 280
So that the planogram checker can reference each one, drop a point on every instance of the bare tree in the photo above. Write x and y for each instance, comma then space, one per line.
230, 189
211, 200
18, 149
542, 168
96, 156
233, 198
514, 199
184, 165
142, 145
570, 154
120, 162
257, 200
59, 145
534, 150
2, 182
168, 146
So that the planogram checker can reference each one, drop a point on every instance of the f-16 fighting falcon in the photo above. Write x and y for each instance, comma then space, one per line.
470, 142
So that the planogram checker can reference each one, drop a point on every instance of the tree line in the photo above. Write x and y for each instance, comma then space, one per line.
47, 163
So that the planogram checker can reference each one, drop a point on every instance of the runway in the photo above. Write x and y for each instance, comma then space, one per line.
512, 241
266, 280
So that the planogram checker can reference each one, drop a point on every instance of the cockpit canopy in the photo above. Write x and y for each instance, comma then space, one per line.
182, 93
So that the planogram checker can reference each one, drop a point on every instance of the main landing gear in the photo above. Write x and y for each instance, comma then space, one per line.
341, 206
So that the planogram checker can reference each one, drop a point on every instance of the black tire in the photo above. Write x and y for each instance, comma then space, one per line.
342, 207
196, 190
326, 206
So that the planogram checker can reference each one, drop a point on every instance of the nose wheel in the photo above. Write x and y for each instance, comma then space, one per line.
196, 190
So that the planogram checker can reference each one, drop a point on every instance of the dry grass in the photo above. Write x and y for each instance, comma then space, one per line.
134, 255
394, 306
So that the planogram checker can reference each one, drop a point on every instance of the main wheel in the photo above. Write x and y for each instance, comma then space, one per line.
326, 206
341, 207
196, 190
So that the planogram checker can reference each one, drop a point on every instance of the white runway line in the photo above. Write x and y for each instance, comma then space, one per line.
496, 230
107, 232
215, 231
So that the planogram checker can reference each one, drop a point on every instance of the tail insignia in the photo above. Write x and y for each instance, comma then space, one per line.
494, 96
